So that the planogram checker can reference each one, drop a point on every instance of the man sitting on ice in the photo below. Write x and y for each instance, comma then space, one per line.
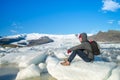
84, 50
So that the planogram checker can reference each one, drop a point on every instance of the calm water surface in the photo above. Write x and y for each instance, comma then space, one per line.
9, 72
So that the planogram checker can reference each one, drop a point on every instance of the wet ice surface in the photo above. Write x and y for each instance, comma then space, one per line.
44, 60
8, 72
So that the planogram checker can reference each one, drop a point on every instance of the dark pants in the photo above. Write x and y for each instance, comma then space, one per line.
79, 53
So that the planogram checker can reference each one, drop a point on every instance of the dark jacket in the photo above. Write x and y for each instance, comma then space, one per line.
85, 46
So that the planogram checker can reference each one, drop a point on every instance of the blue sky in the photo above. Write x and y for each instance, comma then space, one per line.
58, 16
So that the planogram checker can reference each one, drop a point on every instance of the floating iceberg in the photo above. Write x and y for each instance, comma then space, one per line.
34, 59
29, 72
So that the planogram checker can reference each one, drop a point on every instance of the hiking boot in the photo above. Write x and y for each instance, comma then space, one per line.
65, 63
66, 59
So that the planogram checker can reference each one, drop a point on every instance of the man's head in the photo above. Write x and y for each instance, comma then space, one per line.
83, 37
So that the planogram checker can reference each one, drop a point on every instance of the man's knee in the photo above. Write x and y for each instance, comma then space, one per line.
75, 51
78, 51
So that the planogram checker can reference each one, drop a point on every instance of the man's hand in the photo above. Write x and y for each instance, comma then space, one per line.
69, 51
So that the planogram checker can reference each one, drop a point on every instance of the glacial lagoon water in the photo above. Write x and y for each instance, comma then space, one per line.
9, 72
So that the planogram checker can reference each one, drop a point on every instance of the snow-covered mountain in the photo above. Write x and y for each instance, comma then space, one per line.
34, 60
24, 40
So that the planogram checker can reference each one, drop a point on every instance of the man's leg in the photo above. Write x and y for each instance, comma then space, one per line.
79, 53
83, 55
72, 56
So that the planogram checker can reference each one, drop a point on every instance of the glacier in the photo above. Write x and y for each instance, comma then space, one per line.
35, 60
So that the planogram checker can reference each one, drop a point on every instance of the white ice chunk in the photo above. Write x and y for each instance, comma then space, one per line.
35, 59
79, 70
115, 74
29, 72
42, 67
1, 49
118, 57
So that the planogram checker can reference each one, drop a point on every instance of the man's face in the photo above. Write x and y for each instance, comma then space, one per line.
80, 39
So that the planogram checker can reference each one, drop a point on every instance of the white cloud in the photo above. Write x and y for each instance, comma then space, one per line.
13, 24
118, 22
13, 31
111, 21
16, 25
110, 5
